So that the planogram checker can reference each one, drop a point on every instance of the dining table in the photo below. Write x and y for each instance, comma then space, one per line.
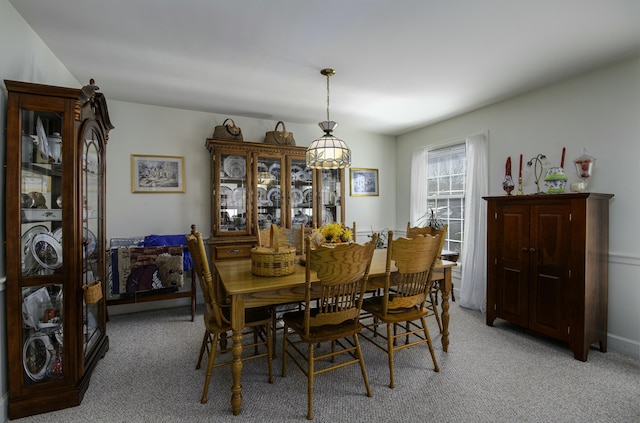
246, 290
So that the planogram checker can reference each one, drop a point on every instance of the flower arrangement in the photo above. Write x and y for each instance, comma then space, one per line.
331, 233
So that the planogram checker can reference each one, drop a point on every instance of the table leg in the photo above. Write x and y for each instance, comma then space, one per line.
445, 288
237, 324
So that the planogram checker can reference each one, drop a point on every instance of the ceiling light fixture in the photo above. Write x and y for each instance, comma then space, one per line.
328, 152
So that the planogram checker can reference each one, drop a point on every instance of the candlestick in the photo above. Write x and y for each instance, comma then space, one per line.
520, 172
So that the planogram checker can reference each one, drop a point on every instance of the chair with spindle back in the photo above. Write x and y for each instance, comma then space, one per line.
217, 316
343, 272
404, 299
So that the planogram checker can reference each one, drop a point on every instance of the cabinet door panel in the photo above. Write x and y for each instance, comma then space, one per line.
513, 262
549, 270
231, 194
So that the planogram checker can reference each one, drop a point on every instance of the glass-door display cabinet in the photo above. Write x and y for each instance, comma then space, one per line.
55, 255
254, 185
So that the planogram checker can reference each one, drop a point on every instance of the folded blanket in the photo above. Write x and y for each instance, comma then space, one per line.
170, 240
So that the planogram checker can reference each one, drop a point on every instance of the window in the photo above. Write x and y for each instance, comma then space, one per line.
446, 178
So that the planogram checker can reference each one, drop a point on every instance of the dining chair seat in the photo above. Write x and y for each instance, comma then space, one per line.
295, 321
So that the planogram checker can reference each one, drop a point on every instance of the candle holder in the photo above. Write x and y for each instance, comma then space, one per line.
537, 163
520, 186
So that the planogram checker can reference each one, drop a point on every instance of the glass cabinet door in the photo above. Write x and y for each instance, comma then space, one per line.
232, 194
42, 256
331, 195
301, 189
92, 254
269, 191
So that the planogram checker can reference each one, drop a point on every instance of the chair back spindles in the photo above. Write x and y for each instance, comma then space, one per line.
332, 313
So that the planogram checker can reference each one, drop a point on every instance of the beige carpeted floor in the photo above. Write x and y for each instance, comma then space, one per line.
490, 374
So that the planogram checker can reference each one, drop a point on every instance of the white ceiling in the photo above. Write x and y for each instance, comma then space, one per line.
399, 64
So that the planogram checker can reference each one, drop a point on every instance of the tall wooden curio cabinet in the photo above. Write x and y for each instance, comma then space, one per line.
55, 243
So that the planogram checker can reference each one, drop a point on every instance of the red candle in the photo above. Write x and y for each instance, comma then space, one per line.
508, 171
562, 160
520, 172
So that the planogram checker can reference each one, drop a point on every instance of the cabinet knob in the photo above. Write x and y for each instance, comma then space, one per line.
233, 252
532, 250
525, 249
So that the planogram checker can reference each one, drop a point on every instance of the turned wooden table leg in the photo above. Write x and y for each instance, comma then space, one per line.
445, 288
237, 324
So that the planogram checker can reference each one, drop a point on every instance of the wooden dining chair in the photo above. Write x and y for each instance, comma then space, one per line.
286, 236
293, 237
412, 232
343, 272
217, 319
404, 299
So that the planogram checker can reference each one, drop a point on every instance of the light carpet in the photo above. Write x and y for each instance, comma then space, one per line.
490, 374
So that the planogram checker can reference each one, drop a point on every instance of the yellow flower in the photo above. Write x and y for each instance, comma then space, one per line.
332, 233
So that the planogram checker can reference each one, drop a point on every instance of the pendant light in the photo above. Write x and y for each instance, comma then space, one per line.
328, 152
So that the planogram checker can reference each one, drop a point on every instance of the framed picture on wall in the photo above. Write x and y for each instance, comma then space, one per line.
363, 182
157, 174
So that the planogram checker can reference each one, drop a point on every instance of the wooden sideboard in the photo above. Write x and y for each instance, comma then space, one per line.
547, 266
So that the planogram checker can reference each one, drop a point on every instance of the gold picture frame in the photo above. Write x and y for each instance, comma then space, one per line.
157, 174
363, 182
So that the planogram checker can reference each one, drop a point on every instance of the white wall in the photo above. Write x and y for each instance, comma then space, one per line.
599, 110
143, 129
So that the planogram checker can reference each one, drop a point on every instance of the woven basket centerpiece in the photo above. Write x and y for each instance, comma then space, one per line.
274, 260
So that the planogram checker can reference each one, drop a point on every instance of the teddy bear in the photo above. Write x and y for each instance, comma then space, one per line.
170, 270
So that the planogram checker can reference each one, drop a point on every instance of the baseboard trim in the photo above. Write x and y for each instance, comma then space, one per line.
624, 346
4, 407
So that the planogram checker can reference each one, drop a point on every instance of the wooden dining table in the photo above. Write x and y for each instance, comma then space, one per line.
247, 290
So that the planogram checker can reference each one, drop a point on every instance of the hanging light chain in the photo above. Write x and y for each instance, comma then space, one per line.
328, 72
328, 75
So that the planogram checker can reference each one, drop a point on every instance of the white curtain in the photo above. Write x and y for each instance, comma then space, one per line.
473, 292
418, 185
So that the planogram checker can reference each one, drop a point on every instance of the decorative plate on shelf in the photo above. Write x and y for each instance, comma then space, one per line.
274, 195
301, 218
89, 239
27, 237
297, 197
239, 196
36, 355
306, 175
235, 167
262, 197
327, 216
225, 196
57, 234
262, 167
296, 171
274, 170
308, 196
31, 306
47, 251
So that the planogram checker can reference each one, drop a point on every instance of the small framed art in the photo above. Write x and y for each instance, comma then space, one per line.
157, 174
363, 182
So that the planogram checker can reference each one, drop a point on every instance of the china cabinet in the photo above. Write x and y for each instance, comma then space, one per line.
547, 268
254, 185
55, 227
